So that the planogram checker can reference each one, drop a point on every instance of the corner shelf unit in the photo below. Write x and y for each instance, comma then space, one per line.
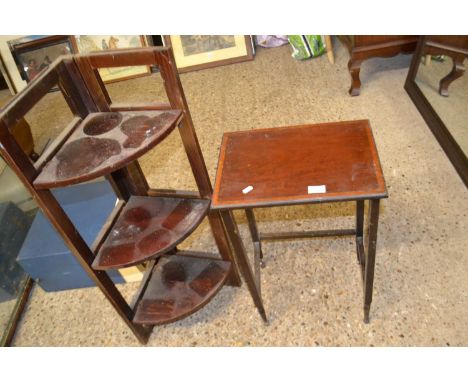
146, 225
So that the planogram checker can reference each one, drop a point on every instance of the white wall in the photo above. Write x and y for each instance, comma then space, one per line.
10, 62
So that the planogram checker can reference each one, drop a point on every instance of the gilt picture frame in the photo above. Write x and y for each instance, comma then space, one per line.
95, 43
196, 52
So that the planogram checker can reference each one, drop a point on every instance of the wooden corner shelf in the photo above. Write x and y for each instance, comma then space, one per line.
105, 142
148, 227
178, 286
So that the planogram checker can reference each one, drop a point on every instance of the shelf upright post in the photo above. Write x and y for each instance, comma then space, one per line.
176, 96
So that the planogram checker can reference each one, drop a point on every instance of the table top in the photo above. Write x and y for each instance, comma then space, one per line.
280, 164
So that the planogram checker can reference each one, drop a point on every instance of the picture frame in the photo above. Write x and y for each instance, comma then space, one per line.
94, 43
33, 54
196, 52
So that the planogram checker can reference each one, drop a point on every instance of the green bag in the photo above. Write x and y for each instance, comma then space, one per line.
306, 46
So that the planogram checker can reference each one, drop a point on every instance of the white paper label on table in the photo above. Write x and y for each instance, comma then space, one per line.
247, 189
317, 189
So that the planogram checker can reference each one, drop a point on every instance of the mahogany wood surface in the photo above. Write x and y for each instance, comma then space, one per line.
281, 163
179, 285
449, 44
52, 148
148, 227
105, 142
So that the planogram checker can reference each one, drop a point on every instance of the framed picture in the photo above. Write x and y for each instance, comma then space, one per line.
33, 54
194, 52
87, 44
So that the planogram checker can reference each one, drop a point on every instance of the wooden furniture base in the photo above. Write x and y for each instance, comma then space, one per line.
366, 260
280, 165
364, 47
456, 47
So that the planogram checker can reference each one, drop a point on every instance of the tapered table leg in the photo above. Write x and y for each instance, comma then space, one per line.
370, 258
255, 236
359, 230
253, 283
223, 246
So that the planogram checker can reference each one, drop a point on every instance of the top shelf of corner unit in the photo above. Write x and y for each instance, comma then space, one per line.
105, 142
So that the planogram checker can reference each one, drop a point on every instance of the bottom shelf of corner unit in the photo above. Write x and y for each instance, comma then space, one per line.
178, 286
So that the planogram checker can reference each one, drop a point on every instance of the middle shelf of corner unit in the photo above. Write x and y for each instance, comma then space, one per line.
105, 142
147, 227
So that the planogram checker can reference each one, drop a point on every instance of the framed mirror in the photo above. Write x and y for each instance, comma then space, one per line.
438, 86
17, 211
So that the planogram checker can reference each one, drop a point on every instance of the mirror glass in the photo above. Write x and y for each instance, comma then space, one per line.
443, 81
17, 211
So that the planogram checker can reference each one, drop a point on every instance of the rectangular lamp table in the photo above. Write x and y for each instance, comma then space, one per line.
321, 163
